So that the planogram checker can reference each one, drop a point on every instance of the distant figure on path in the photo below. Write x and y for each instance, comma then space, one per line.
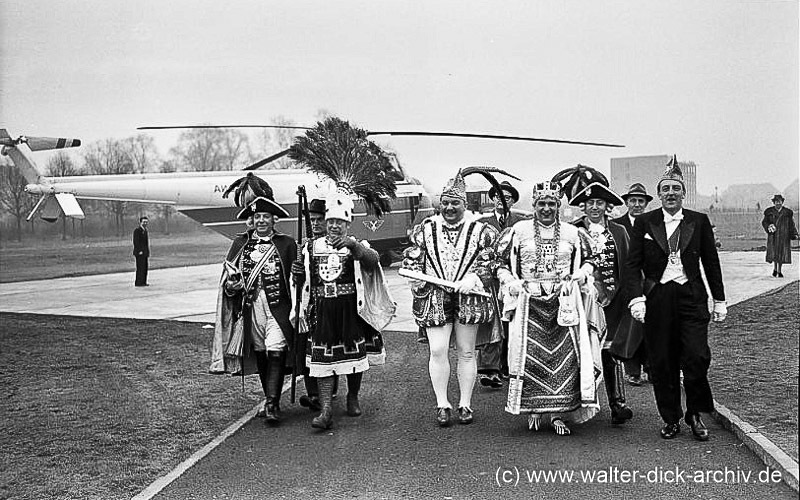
141, 251
779, 224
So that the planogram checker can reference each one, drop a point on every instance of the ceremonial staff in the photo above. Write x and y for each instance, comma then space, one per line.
298, 347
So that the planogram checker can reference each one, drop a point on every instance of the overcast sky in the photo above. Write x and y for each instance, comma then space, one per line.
715, 82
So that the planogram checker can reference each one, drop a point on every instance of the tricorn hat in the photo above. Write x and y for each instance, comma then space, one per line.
316, 206
637, 189
505, 186
778, 197
262, 204
596, 190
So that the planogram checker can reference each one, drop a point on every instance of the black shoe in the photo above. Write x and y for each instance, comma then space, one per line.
272, 415
485, 380
620, 413
353, 408
464, 415
699, 429
311, 402
780, 275
669, 431
495, 381
324, 420
774, 274
443, 417
262, 411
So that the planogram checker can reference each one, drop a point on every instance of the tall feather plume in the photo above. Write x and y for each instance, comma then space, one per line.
249, 188
342, 153
574, 179
487, 173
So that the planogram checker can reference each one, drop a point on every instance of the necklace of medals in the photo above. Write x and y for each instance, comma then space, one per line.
544, 261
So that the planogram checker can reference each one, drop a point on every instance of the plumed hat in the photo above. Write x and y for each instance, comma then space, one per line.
596, 190
637, 189
339, 205
575, 179
262, 204
343, 154
505, 186
316, 206
673, 172
456, 188
547, 189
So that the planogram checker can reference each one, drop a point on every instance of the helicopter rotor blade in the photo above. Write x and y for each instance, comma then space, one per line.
266, 160
170, 127
493, 136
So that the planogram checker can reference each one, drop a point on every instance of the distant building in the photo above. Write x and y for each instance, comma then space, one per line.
648, 170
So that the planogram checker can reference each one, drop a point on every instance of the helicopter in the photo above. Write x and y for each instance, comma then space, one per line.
199, 195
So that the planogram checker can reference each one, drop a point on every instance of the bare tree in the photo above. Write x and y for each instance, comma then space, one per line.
13, 198
143, 153
61, 165
271, 141
110, 157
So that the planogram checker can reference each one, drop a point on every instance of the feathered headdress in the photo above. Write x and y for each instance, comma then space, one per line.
342, 153
575, 179
248, 188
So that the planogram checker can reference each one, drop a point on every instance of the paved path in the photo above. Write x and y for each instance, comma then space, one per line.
189, 294
394, 450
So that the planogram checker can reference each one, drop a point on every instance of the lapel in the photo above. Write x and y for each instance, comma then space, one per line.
659, 231
687, 229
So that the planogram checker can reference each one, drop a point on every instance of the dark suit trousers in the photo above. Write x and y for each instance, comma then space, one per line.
676, 336
141, 270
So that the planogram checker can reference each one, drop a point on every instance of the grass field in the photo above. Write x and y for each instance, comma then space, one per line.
755, 365
57, 259
99, 408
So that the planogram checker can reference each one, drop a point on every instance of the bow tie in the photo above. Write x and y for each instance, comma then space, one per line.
672, 218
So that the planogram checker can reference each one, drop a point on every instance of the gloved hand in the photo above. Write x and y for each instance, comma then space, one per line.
638, 311
579, 276
470, 282
516, 287
720, 311
234, 285
298, 269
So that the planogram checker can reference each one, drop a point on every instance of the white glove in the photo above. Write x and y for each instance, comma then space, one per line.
470, 282
720, 311
771, 228
515, 287
638, 311
580, 276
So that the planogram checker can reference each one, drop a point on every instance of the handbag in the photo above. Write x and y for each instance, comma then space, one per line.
567, 308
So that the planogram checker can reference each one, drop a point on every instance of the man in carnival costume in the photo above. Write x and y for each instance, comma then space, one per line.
343, 277
458, 250
667, 245
610, 247
252, 330
553, 346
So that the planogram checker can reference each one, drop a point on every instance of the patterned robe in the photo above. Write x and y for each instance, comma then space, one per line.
554, 369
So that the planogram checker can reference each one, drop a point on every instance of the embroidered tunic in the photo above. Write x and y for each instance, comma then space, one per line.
451, 252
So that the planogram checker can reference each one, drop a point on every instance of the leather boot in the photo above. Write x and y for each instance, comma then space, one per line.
353, 386
325, 419
263, 375
615, 390
275, 362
